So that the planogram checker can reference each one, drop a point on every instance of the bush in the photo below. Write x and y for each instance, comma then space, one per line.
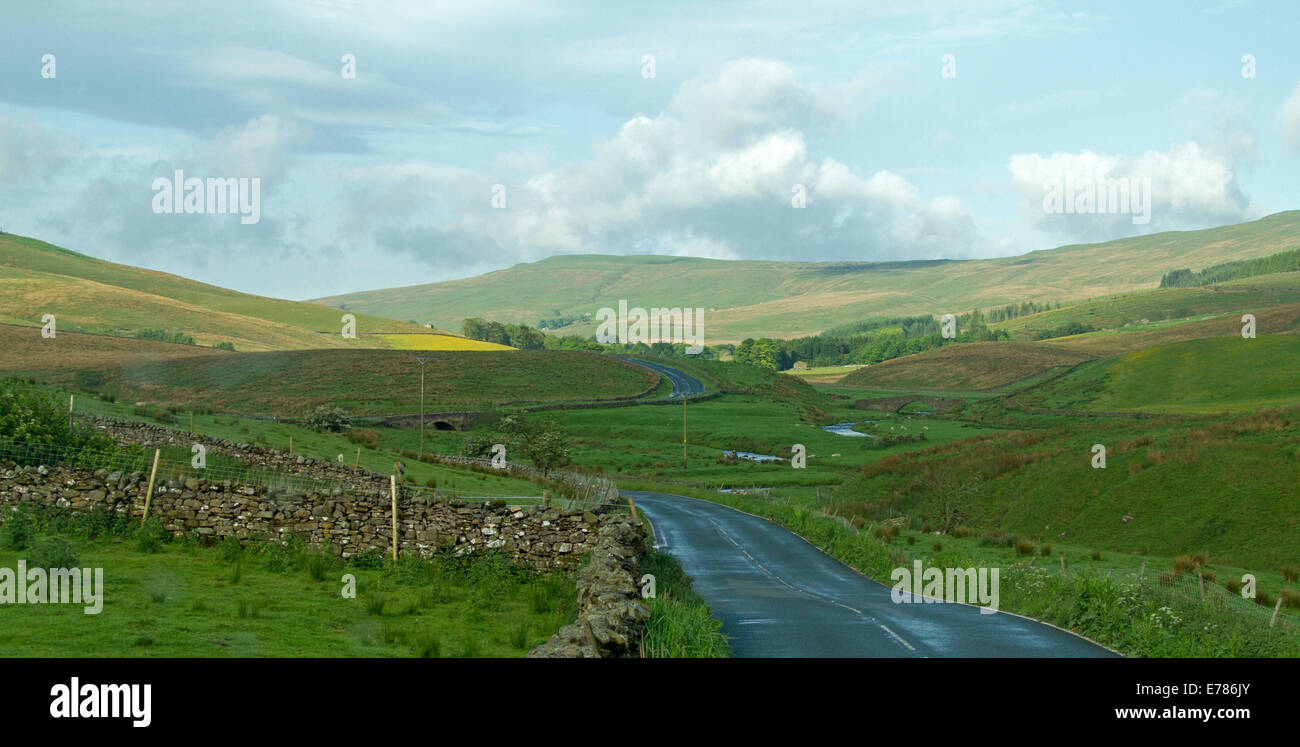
367, 437
30, 416
1045, 550
52, 552
329, 419
1189, 563
1096, 555
1025, 547
1232, 585
1291, 599
1291, 573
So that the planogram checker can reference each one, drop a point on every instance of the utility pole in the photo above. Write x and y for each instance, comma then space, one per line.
421, 361
683, 430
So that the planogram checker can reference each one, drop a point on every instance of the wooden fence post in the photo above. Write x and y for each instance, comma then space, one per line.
290, 445
1276, 609
631, 505
357, 463
1142, 572
1201, 577
148, 496
392, 484
1062, 565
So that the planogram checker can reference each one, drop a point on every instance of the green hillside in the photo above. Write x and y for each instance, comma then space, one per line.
92, 295
291, 383
1218, 374
750, 298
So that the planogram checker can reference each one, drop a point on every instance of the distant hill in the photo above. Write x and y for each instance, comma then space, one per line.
751, 298
92, 295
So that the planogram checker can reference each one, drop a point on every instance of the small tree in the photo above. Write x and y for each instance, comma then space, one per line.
541, 441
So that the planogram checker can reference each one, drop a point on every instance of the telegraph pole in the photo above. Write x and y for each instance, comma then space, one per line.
421, 361
683, 430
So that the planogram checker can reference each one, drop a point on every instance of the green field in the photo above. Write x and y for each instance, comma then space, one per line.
1221, 374
364, 382
269, 601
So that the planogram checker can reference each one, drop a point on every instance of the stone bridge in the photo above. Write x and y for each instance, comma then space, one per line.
442, 421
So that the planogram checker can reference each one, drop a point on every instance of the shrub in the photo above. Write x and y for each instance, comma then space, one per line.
329, 419
52, 552
960, 532
911, 540
1232, 585
1291, 599
367, 437
1046, 550
1291, 573
1025, 547
1263, 598
1096, 555
375, 604
1189, 563
229, 549
151, 537
31, 416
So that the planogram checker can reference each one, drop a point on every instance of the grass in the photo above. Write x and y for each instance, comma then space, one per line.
181, 602
93, 295
1220, 374
680, 625
464, 483
967, 366
363, 382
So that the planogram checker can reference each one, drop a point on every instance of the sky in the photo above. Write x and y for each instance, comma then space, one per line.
402, 143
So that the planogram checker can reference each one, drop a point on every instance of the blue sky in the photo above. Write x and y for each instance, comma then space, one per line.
387, 178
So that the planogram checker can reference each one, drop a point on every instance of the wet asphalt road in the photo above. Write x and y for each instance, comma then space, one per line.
682, 382
778, 596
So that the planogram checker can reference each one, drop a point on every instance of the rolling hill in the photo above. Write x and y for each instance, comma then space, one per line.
92, 295
750, 298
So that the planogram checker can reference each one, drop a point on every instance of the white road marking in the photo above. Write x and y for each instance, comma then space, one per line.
815, 595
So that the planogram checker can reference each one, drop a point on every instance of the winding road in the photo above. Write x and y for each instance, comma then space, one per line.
683, 383
778, 596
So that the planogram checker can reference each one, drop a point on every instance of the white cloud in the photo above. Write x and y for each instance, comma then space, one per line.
1189, 188
1289, 119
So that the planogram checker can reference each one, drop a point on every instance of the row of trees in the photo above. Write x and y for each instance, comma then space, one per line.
865, 342
515, 335
1244, 268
